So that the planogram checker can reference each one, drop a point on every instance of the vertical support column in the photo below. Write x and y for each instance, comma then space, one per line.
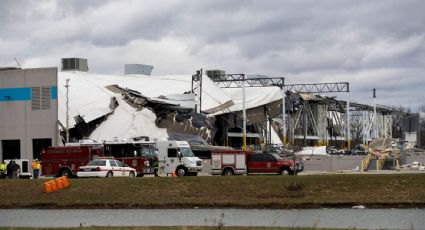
374, 117
197, 90
364, 127
305, 123
348, 123
200, 92
283, 115
243, 113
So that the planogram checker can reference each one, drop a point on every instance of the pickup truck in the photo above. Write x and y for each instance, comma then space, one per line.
231, 162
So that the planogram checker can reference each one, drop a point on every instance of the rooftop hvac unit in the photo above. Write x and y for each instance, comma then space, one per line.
216, 74
138, 69
74, 64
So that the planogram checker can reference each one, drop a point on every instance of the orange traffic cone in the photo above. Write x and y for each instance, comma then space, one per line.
58, 183
47, 187
64, 181
53, 185
174, 174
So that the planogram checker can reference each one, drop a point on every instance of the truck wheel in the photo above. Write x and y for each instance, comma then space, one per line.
284, 171
132, 174
109, 174
65, 172
181, 172
228, 172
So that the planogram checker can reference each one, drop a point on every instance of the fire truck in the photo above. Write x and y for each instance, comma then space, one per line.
65, 160
237, 162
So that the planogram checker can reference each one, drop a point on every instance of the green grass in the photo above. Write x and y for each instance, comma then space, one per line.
171, 228
314, 191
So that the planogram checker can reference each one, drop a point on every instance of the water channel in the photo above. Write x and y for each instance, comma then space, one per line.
320, 218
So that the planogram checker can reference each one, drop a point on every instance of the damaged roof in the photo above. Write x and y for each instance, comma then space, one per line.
90, 98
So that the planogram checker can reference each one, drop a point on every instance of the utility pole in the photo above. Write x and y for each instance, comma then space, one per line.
67, 110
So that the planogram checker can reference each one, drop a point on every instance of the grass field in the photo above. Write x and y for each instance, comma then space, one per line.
313, 191
171, 228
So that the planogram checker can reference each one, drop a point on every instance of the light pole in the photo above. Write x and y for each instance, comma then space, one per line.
67, 110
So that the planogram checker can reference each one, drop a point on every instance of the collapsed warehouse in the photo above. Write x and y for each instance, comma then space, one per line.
208, 109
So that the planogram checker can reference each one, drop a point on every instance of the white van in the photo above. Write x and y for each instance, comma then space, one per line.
177, 157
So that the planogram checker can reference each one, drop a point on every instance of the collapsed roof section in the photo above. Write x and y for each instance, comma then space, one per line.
128, 122
117, 106
89, 97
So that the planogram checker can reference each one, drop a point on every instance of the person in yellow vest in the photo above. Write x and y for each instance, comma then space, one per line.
36, 168
33, 163
3, 170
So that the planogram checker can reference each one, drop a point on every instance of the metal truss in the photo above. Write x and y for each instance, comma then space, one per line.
236, 80
319, 87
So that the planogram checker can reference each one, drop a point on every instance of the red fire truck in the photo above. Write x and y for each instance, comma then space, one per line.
65, 160
231, 162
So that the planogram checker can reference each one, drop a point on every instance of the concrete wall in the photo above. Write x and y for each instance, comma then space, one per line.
19, 119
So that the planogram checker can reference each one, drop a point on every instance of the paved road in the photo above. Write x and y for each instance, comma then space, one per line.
318, 218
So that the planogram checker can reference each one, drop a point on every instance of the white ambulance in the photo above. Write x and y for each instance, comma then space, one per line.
177, 157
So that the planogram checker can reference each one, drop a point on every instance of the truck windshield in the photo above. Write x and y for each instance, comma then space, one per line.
186, 152
144, 151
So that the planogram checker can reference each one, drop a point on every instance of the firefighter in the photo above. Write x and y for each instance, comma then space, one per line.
3, 170
155, 165
15, 170
9, 174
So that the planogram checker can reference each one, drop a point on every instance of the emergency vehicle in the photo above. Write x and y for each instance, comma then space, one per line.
238, 162
177, 157
65, 160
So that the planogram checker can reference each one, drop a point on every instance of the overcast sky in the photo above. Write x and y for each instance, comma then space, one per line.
371, 44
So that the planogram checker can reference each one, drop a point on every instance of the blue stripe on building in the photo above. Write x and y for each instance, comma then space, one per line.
15, 94
53, 93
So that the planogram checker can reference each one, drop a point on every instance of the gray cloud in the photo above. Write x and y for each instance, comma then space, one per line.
372, 44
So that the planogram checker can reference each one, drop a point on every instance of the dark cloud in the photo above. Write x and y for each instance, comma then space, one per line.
373, 44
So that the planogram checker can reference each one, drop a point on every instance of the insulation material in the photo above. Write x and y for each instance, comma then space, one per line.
127, 122
320, 150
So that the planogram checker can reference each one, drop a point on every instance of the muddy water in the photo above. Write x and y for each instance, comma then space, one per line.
321, 218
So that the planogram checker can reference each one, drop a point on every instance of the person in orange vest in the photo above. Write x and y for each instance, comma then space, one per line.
36, 168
